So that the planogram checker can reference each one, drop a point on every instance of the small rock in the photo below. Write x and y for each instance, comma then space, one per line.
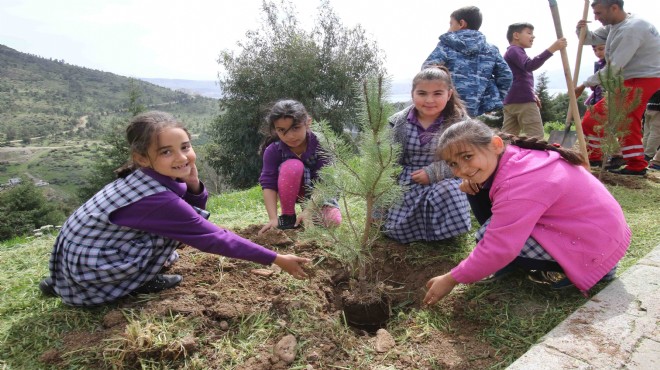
276, 269
286, 349
309, 367
224, 326
314, 356
281, 323
262, 272
384, 341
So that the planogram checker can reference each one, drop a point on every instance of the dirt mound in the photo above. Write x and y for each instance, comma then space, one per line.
222, 295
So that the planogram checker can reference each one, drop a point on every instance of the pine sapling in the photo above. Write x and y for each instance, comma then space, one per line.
364, 180
614, 121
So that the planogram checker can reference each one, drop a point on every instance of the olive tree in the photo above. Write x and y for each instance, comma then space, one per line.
279, 60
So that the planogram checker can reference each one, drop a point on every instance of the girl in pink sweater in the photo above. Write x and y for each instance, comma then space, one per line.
547, 213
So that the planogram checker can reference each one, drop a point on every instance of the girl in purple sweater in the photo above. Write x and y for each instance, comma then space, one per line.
292, 160
118, 241
548, 213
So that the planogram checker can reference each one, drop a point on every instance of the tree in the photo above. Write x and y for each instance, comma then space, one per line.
281, 60
24, 208
366, 180
619, 101
544, 96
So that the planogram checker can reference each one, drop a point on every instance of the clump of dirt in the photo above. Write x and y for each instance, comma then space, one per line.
222, 294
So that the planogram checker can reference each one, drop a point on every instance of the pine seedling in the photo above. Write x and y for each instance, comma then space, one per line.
365, 181
614, 121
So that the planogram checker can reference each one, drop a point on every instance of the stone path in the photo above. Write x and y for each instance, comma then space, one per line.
617, 328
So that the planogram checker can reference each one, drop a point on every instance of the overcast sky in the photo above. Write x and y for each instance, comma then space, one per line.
182, 39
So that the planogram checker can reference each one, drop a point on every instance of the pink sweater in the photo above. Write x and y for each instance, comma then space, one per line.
566, 209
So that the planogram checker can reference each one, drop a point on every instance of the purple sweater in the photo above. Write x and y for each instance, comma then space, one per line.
522, 89
278, 152
565, 208
170, 214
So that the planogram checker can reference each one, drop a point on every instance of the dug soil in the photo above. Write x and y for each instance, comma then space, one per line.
223, 294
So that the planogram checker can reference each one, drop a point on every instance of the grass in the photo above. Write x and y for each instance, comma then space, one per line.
514, 313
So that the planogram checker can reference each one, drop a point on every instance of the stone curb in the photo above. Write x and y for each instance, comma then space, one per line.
615, 329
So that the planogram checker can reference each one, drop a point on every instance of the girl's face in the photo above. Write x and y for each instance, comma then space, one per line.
525, 38
430, 98
474, 163
171, 154
599, 50
295, 137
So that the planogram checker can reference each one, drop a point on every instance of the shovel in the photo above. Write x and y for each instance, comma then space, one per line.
573, 108
567, 137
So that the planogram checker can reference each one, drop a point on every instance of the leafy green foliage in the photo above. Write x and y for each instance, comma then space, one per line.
24, 208
367, 179
281, 60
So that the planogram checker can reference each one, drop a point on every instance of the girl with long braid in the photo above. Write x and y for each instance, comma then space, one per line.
544, 212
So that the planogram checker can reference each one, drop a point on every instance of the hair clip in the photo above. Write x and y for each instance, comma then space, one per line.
556, 145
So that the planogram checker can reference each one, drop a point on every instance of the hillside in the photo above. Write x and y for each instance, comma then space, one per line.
40, 95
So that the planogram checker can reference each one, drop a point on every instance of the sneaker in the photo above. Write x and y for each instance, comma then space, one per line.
507, 270
285, 222
159, 283
47, 287
654, 166
614, 162
556, 280
626, 171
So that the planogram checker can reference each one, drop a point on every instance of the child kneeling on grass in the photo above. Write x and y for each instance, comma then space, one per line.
119, 240
548, 213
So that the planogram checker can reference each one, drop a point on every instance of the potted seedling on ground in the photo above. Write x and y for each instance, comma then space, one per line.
363, 175
614, 121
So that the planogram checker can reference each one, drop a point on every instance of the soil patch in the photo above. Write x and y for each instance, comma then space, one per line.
222, 294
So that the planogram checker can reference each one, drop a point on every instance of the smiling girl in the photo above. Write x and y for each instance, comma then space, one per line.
118, 241
548, 213
291, 161
433, 207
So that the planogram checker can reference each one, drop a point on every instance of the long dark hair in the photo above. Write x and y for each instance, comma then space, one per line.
478, 134
455, 109
140, 134
286, 108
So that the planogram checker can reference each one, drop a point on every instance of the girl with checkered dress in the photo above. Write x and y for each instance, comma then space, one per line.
118, 241
433, 207
291, 161
548, 214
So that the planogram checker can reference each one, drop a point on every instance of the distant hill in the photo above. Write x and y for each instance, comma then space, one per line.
40, 95
209, 89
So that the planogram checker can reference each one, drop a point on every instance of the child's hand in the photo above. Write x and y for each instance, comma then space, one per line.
271, 224
558, 45
291, 264
420, 177
192, 180
439, 287
579, 90
469, 187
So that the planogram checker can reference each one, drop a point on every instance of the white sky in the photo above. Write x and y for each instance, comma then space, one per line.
182, 39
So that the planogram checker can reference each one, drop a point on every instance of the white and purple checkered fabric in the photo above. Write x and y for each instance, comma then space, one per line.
94, 261
427, 212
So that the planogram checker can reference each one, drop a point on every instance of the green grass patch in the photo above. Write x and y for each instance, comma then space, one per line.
512, 313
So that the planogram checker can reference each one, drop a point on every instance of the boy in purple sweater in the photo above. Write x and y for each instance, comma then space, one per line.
521, 109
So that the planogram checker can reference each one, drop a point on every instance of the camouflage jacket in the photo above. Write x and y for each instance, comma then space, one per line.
481, 76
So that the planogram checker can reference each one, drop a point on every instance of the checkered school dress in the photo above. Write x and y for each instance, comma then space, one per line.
533, 250
94, 261
427, 212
